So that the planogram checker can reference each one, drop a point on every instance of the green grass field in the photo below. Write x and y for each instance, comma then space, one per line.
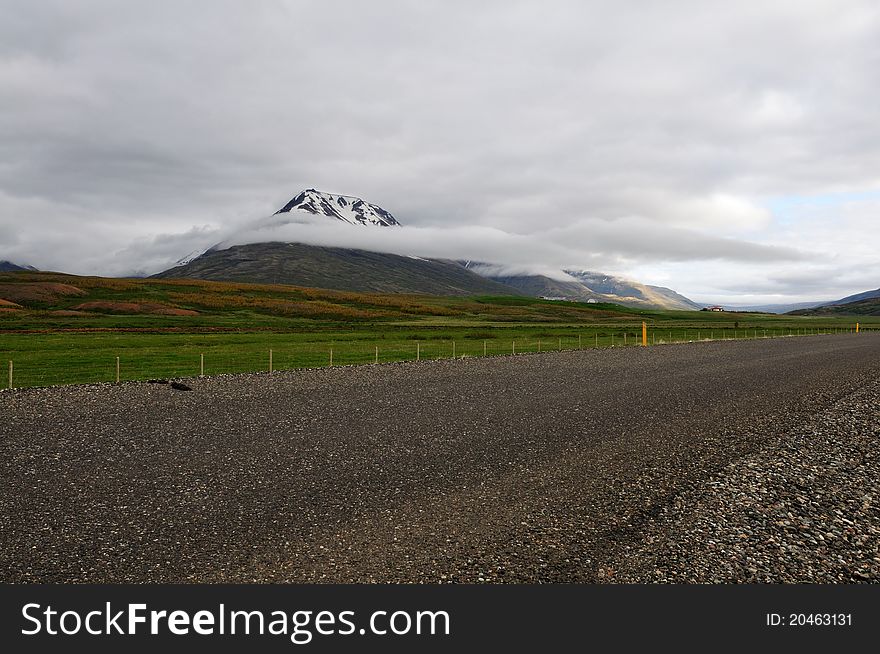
56, 334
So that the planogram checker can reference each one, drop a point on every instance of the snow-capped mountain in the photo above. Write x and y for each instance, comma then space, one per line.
287, 261
341, 207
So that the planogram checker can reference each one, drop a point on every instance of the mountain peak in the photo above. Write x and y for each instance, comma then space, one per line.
346, 208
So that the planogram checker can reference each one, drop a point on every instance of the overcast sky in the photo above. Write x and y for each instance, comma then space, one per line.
729, 150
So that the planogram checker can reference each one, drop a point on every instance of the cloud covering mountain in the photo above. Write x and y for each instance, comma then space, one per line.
718, 148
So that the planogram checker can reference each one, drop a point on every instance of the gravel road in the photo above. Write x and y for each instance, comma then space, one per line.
738, 461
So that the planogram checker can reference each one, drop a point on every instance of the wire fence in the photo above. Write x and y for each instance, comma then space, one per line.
76, 365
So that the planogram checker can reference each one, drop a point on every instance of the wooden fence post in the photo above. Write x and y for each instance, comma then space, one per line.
453, 349
202, 364
270, 362
377, 354
117, 370
484, 348
418, 351
10, 375
331, 356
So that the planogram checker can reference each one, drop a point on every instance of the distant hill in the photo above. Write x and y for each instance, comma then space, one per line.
801, 308
8, 266
867, 295
628, 292
336, 268
591, 286
860, 304
772, 308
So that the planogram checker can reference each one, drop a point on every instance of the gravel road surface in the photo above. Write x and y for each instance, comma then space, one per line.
738, 461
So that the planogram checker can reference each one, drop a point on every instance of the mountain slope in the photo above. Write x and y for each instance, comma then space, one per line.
860, 304
634, 293
8, 266
587, 286
867, 295
867, 307
336, 268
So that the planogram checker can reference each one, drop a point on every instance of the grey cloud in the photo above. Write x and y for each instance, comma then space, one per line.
618, 134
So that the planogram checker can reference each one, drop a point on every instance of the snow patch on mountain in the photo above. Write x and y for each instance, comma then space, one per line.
346, 208
192, 256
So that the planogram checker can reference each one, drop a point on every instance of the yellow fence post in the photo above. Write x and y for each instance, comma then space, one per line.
857, 328
644, 334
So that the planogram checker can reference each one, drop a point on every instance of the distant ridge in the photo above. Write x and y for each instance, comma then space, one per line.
860, 304
586, 286
8, 266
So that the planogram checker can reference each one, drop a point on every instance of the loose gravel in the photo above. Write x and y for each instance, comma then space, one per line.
708, 462
805, 509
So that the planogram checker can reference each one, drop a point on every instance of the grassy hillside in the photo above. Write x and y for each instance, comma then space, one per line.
336, 268
867, 307
58, 301
599, 287
66, 329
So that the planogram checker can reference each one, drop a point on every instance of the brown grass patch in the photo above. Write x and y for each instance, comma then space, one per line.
65, 313
38, 292
278, 306
6, 304
102, 306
